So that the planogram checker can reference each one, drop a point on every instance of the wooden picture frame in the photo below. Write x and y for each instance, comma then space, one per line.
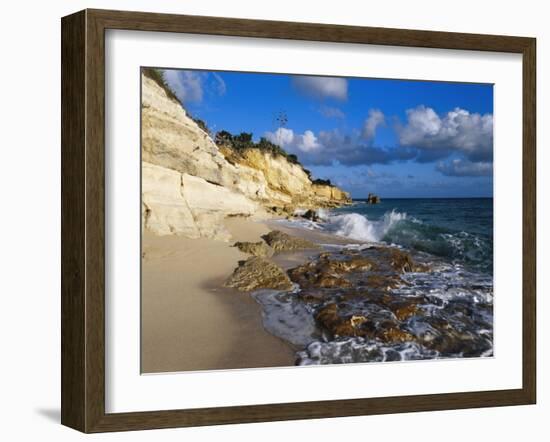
83, 220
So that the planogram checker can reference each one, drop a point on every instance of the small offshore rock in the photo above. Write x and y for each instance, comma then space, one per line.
258, 273
259, 248
373, 199
282, 242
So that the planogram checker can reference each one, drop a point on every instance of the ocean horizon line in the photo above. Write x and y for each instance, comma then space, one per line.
425, 198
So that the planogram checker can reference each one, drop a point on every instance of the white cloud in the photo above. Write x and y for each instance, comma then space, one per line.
308, 142
329, 147
187, 85
220, 86
458, 130
422, 123
322, 87
331, 112
332, 146
460, 168
282, 136
294, 143
192, 86
426, 137
375, 119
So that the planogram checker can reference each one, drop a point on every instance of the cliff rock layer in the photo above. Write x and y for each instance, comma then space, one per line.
179, 203
189, 184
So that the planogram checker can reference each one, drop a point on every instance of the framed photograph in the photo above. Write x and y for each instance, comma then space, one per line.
268, 220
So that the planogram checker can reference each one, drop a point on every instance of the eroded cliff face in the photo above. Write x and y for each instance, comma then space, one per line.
189, 184
284, 185
183, 204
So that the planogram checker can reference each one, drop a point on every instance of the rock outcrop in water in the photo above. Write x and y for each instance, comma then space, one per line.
369, 307
327, 272
360, 279
190, 185
373, 199
387, 331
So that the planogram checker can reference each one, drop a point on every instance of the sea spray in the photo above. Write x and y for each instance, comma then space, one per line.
359, 227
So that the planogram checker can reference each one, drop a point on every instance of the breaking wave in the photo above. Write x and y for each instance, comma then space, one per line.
397, 228
359, 227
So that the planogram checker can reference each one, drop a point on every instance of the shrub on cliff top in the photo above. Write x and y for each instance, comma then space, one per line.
243, 141
322, 182
201, 124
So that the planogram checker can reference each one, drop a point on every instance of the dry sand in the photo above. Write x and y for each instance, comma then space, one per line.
189, 322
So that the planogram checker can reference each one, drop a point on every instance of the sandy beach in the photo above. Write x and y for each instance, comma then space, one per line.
189, 321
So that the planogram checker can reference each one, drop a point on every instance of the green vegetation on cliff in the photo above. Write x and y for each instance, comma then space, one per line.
321, 182
243, 141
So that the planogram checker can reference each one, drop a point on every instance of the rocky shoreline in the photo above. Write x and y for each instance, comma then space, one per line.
365, 298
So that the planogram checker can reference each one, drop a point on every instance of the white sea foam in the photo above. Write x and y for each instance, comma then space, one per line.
299, 212
350, 350
349, 225
359, 227
284, 316
323, 214
301, 223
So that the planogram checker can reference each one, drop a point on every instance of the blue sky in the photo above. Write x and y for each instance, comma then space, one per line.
395, 138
